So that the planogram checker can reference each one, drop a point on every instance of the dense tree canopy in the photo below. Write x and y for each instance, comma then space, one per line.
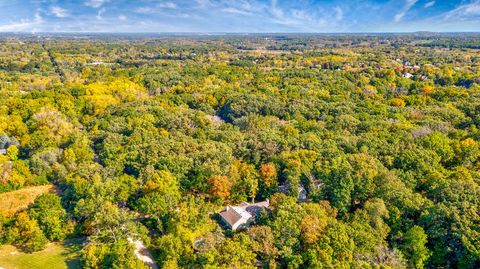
148, 139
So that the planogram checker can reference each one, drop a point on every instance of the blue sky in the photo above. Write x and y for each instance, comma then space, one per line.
321, 16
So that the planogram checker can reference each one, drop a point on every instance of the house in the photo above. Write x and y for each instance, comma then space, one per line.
407, 75
241, 216
302, 192
422, 77
3, 151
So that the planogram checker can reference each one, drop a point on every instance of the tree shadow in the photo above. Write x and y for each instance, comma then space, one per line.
73, 247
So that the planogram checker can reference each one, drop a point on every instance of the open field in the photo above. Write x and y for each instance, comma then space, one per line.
14, 201
55, 256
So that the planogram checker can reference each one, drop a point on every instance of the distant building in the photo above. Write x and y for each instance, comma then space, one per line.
241, 216
302, 192
407, 75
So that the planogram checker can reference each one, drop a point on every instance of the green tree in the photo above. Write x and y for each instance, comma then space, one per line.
50, 215
12, 153
286, 221
414, 247
263, 243
30, 236
161, 192
120, 254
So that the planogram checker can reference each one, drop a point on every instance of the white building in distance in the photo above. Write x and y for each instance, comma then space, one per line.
241, 216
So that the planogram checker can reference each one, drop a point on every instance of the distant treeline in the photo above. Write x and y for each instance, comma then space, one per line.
454, 43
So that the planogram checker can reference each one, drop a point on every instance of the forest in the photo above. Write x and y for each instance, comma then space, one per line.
366, 146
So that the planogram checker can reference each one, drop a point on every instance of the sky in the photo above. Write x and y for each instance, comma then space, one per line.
239, 16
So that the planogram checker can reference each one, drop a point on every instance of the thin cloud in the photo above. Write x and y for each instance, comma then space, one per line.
95, 3
408, 5
100, 13
276, 11
466, 11
338, 13
236, 11
145, 10
156, 8
20, 26
25, 25
168, 5
59, 12
429, 4
203, 3
243, 15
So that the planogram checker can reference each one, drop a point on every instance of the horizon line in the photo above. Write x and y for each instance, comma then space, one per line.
240, 33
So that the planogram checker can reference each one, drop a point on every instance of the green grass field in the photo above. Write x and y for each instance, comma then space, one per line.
55, 256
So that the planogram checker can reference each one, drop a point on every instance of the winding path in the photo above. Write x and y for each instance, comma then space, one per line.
143, 253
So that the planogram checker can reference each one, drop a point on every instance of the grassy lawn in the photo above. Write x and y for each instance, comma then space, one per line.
55, 256
13, 201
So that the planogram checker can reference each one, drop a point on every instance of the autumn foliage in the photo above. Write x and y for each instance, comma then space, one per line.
398, 102
220, 187
268, 173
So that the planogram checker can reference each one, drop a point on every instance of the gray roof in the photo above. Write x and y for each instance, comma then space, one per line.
233, 214
230, 216
255, 209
